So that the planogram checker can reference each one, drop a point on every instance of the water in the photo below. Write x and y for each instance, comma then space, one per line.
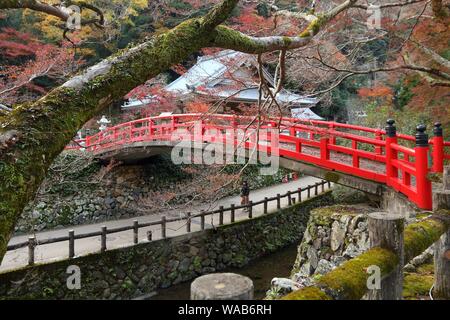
261, 271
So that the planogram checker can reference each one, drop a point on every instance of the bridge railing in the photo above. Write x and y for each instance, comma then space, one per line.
383, 156
71, 237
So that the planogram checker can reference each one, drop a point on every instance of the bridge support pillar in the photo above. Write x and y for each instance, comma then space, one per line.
396, 203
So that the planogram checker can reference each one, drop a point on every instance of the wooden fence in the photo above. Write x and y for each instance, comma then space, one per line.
32, 242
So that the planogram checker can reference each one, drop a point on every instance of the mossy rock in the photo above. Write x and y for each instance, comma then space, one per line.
308, 293
417, 286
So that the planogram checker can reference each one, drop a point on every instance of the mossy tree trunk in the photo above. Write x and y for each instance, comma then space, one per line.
32, 135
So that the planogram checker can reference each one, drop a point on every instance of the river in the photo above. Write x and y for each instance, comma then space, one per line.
261, 271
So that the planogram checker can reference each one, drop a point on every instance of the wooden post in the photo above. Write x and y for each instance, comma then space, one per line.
163, 227
265, 205
135, 231
221, 215
316, 189
293, 200
329, 184
289, 198
278, 201
386, 231
309, 191
299, 191
103, 239
442, 247
250, 209
149, 235
202, 219
322, 185
188, 222
31, 246
232, 218
71, 244
442, 267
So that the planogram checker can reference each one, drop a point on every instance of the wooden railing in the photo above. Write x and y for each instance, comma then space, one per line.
292, 197
330, 145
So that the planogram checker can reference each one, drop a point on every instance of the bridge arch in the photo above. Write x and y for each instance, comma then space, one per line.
371, 160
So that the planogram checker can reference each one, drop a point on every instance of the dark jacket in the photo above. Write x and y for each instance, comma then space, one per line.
245, 191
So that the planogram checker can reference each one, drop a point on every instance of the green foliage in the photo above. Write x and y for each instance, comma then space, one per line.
340, 96
403, 92
406, 120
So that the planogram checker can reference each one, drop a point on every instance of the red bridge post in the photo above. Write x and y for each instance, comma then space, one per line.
378, 136
423, 184
391, 154
438, 148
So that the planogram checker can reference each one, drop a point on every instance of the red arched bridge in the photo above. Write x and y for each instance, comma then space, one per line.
384, 157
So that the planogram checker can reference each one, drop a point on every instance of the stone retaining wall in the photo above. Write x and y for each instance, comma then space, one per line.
134, 271
79, 190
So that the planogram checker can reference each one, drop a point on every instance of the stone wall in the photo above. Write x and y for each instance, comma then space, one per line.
79, 190
333, 235
137, 270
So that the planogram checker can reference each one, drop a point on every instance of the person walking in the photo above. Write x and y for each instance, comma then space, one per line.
245, 194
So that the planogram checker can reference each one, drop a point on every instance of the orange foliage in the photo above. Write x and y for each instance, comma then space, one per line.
375, 92
197, 107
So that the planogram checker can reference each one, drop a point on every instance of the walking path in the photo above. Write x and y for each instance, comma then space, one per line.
59, 251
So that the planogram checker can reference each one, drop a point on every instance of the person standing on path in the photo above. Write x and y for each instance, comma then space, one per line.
245, 193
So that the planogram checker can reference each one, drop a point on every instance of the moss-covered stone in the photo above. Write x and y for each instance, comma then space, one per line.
415, 286
419, 236
349, 281
308, 293
332, 176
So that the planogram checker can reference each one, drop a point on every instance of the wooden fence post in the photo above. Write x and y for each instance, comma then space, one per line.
386, 231
322, 185
299, 194
289, 198
163, 227
149, 235
31, 246
442, 246
71, 244
103, 239
442, 267
135, 231
316, 188
188, 222
250, 209
278, 201
221, 215
232, 217
265, 205
202, 220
